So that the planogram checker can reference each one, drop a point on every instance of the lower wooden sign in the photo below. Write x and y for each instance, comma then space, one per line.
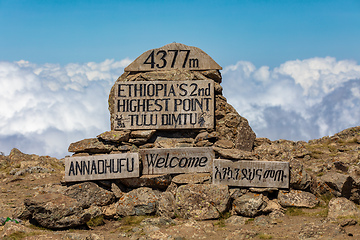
177, 160
251, 173
100, 167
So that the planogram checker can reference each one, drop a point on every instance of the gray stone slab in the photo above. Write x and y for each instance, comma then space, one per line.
101, 167
176, 160
164, 104
173, 56
251, 173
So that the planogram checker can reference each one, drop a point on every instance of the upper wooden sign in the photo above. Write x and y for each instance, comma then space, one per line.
164, 104
173, 56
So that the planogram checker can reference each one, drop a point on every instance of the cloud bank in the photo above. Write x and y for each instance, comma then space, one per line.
46, 107
299, 100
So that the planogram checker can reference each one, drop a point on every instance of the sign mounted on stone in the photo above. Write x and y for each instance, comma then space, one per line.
177, 160
100, 167
251, 173
164, 104
173, 56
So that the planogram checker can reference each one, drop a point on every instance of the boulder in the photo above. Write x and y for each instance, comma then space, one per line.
56, 211
297, 198
141, 201
166, 205
201, 202
342, 207
339, 182
89, 193
249, 204
299, 178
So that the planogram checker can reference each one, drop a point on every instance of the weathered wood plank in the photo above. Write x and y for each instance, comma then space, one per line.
251, 173
176, 160
101, 167
173, 56
164, 104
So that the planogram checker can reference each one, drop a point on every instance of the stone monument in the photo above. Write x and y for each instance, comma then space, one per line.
169, 101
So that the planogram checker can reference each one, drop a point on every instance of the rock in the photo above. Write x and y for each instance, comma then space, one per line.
79, 236
227, 144
12, 228
342, 207
272, 206
116, 190
201, 202
319, 231
194, 178
138, 141
89, 193
147, 134
213, 74
299, 178
237, 192
234, 154
21, 212
339, 182
262, 221
152, 181
115, 136
56, 211
236, 220
166, 205
141, 201
159, 221
348, 222
94, 211
297, 198
276, 215
241, 235
109, 211
213, 136
91, 145
249, 204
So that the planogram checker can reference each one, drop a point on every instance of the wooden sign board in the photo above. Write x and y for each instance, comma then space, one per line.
101, 167
164, 105
173, 56
251, 173
176, 160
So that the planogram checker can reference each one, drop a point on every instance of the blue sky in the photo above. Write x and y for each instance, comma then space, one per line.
263, 32
290, 67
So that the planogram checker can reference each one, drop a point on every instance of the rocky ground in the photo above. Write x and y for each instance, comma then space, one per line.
322, 202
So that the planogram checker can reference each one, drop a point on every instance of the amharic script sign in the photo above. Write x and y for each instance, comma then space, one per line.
251, 173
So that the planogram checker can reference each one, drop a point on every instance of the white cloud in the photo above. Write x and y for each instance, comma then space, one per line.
46, 107
53, 105
299, 100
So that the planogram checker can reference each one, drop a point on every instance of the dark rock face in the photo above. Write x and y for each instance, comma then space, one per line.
56, 211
